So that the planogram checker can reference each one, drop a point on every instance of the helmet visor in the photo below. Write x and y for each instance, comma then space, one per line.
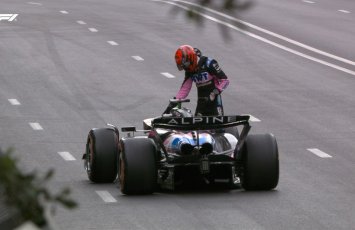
180, 66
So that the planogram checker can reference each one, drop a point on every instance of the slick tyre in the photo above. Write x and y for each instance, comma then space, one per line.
138, 172
260, 163
102, 155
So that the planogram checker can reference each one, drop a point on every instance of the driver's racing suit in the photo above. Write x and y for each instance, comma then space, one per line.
210, 82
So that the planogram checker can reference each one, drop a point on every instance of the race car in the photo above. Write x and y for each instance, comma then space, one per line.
177, 147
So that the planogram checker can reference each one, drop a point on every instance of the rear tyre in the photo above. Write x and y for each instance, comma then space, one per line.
260, 163
101, 161
138, 171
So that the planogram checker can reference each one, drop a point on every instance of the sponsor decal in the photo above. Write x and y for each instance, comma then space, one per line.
200, 77
8, 17
204, 84
216, 67
201, 120
198, 122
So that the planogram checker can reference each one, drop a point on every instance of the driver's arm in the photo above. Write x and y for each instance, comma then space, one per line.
185, 88
221, 80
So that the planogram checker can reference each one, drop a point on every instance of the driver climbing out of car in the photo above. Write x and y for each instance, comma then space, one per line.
209, 78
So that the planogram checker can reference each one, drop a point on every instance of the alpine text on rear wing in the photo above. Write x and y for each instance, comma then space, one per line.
199, 123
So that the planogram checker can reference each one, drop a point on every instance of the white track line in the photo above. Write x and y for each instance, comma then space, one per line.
35, 126
344, 11
81, 22
94, 30
112, 43
168, 75
67, 156
266, 40
269, 32
35, 3
64, 12
14, 102
106, 196
265, 31
319, 153
307, 1
138, 58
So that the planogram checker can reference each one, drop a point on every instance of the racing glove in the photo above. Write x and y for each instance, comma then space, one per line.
213, 94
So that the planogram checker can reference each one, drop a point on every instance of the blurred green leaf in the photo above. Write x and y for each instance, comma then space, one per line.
27, 192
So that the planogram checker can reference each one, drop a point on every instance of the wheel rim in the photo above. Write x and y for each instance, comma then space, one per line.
122, 173
90, 154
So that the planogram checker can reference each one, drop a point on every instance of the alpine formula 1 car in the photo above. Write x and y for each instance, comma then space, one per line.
178, 147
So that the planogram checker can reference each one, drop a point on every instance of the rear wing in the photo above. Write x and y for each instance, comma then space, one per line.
199, 123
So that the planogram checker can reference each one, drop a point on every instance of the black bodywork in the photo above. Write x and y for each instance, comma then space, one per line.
207, 163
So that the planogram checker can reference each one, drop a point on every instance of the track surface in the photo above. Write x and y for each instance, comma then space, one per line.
69, 78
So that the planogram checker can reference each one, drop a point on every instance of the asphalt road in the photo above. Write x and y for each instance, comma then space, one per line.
75, 65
